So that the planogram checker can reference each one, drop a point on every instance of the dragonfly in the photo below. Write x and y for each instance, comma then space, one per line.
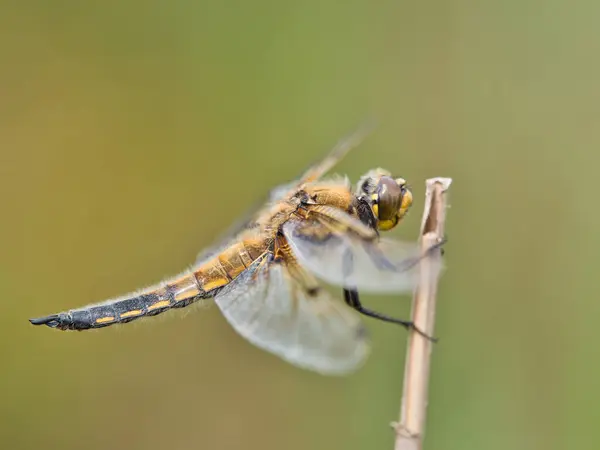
268, 277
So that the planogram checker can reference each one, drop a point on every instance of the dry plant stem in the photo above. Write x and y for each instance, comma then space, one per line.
410, 429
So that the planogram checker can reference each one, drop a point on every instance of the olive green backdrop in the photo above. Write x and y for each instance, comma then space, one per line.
132, 133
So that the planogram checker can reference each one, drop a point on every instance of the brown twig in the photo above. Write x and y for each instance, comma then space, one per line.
410, 429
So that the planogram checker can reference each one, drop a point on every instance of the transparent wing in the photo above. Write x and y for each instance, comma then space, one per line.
340, 150
276, 313
313, 173
247, 220
346, 259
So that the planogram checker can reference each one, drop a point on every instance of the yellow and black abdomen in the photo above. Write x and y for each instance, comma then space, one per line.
202, 283
176, 294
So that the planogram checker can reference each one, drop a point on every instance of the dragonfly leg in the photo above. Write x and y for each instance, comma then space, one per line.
352, 299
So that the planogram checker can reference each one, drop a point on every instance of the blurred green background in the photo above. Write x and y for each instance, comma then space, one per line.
133, 133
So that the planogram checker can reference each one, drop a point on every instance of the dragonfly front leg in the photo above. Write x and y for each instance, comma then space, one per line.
352, 299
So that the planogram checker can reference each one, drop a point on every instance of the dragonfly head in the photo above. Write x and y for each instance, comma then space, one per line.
390, 198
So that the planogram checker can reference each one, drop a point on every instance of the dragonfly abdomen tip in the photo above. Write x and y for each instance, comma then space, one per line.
52, 321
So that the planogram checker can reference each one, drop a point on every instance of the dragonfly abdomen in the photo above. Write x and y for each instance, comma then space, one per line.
177, 294
204, 282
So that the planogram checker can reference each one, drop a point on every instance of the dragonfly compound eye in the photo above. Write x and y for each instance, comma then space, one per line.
391, 201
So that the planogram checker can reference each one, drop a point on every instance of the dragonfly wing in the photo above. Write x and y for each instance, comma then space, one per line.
313, 173
247, 220
340, 150
311, 330
349, 260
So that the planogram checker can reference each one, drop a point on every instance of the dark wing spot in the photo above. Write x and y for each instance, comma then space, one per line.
313, 291
362, 332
